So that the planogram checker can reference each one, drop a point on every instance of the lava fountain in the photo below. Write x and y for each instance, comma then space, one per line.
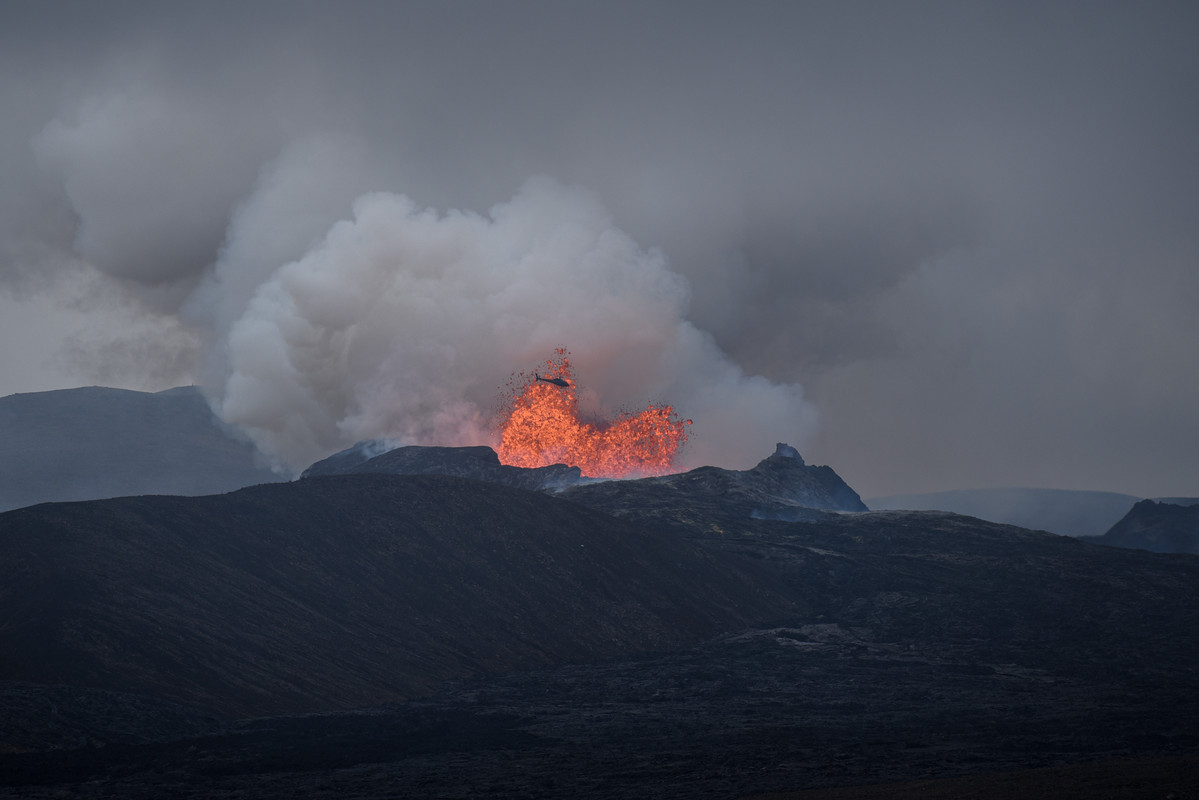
540, 425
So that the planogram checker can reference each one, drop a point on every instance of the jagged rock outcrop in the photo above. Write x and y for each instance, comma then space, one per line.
780, 487
785, 478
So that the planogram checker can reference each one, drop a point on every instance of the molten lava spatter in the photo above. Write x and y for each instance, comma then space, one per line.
540, 425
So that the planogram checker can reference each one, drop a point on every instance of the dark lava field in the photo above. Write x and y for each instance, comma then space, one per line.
715, 634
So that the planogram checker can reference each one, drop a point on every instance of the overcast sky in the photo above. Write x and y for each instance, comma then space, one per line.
938, 245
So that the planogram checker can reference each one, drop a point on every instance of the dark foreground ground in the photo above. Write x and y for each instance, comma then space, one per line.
499, 638
1162, 778
778, 710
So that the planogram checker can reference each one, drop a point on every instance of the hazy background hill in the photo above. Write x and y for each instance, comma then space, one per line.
1157, 527
96, 442
1061, 511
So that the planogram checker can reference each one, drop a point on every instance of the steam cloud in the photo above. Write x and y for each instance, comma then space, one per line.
397, 321
403, 322
967, 229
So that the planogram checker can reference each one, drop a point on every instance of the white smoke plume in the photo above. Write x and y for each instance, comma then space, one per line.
974, 258
404, 322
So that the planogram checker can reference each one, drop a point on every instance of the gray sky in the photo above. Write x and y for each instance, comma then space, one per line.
968, 231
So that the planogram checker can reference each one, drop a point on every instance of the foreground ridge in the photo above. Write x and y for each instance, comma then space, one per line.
701, 634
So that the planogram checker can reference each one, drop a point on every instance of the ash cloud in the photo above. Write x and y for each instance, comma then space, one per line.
966, 230
405, 322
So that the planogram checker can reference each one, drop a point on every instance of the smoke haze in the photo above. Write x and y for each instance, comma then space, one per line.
969, 233
405, 322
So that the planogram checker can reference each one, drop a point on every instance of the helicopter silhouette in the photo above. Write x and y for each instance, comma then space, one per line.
556, 381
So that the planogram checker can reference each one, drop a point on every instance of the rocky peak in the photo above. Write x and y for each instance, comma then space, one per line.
1157, 527
784, 450
784, 477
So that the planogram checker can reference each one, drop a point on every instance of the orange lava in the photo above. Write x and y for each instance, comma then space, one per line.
540, 425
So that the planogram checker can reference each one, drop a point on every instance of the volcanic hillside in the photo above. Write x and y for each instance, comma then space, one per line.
704, 634
342, 591
480, 463
779, 487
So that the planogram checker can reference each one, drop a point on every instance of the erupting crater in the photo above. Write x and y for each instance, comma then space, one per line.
540, 425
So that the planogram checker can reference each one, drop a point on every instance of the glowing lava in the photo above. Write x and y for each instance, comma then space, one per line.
540, 425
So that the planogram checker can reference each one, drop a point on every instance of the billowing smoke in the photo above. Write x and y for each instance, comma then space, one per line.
404, 322
324, 311
967, 229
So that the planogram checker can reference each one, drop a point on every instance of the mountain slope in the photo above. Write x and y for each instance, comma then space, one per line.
342, 591
94, 442
935, 645
345, 590
669, 641
1156, 527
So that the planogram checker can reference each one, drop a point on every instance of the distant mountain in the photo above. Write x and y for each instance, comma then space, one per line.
479, 463
1156, 527
1061, 511
94, 442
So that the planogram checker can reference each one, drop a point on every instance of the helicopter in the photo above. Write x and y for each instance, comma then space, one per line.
556, 381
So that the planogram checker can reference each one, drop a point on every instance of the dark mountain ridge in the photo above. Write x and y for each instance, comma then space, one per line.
780, 486
343, 591
480, 463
